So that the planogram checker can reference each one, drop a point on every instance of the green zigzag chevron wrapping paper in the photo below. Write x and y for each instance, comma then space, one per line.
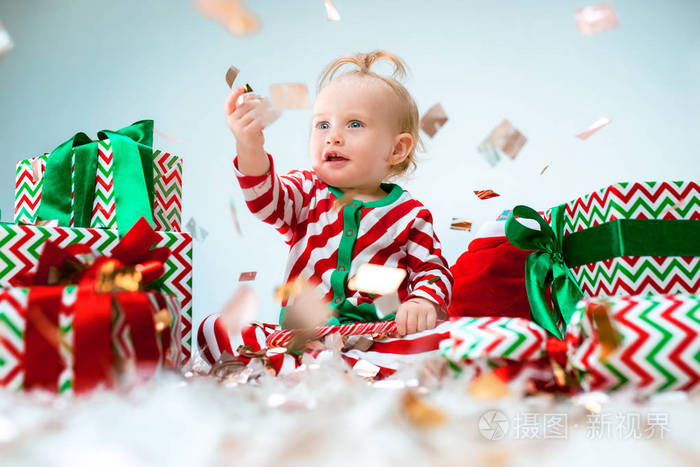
659, 348
13, 310
167, 173
631, 275
21, 245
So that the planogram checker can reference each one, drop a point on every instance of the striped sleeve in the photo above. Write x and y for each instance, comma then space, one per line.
429, 275
277, 200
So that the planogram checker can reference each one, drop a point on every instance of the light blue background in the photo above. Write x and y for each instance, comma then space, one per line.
88, 65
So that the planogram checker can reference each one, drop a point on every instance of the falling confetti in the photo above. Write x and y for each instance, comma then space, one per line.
433, 120
678, 205
6, 43
608, 337
365, 369
459, 223
485, 194
543, 170
597, 125
290, 96
166, 136
240, 309
376, 279
196, 231
234, 15
37, 169
231, 74
503, 140
595, 19
234, 215
342, 202
247, 276
331, 11
387, 304
306, 311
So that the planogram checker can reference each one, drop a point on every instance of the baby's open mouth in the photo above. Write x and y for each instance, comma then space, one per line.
334, 157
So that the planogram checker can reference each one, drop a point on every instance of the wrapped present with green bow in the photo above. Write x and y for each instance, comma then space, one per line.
626, 239
107, 183
81, 319
645, 343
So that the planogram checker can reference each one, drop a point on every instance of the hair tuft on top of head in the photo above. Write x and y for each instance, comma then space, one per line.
364, 64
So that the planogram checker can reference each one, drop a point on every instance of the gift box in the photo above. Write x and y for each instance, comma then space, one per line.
106, 176
627, 239
634, 274
656, 348
22, 245
648, 343
72, 345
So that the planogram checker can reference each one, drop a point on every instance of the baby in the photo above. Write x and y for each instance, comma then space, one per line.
364, 132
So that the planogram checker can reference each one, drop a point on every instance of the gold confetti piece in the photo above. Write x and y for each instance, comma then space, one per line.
420, 413
559, 373
595, 126
376, 279
607, 335
459, 223
289, 96
162, 320
240, 309
545, 168
485, 194
247, 276
433, 120
503, 140
288, 290
361, 343
46, 223
306, 310
595, 19
113, 279
166, 136
331, 11
387, 304
488, 386
231, 74
234, 215
234, 15
6, 43
341, 202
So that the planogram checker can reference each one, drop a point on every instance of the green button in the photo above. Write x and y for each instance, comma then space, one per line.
337, 299
348, 233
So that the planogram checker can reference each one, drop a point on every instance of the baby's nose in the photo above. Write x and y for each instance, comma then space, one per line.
334, 140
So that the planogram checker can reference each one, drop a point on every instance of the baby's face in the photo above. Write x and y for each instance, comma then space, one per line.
353, 132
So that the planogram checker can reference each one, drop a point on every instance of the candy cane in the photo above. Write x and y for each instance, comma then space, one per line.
283, 338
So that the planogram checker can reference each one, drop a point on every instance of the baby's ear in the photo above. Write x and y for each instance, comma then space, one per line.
403, 143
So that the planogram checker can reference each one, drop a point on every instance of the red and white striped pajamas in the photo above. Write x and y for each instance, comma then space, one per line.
329, 243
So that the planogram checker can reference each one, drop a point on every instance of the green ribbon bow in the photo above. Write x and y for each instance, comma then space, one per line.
132, 175
545, 267
555, 253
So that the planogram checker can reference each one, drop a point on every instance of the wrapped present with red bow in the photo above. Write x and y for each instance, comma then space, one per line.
78, 321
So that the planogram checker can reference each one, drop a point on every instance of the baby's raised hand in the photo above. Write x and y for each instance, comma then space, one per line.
414, 315
245, 122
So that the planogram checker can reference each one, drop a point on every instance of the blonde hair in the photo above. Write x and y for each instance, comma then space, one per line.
408, 110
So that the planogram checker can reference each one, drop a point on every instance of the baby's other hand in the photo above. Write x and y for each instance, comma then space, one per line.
415, 315
245, 123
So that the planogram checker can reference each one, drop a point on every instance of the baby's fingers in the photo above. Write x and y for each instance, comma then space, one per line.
401, 321
230, 104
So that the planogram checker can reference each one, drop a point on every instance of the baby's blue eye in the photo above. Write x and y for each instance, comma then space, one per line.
323, 126
355, 124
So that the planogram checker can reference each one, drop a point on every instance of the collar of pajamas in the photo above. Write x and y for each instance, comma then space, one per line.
329, 243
